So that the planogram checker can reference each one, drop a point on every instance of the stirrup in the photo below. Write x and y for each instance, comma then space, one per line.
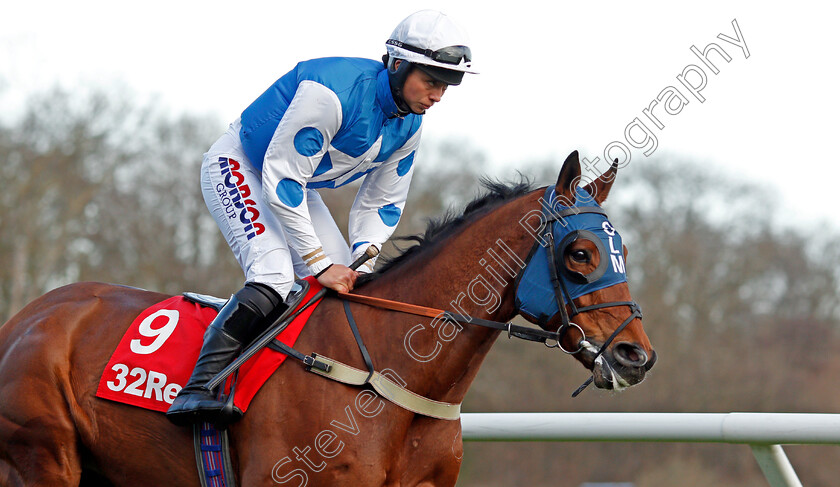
229, 413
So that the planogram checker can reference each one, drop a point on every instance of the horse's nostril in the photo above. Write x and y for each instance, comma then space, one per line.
630, 355
651, 360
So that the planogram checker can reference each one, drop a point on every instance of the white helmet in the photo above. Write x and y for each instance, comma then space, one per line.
435, 42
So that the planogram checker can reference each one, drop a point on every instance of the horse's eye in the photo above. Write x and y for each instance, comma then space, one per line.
580, 256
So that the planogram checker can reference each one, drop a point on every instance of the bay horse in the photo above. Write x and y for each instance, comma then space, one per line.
302, 429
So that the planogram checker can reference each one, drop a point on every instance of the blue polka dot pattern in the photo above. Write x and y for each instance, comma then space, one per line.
308, 141
405, 164
325, 164
359, 244
290, 192
390, 214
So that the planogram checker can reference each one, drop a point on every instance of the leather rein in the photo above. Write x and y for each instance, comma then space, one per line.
523, 332
388, 388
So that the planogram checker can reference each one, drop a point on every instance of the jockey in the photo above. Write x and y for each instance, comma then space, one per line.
325, 123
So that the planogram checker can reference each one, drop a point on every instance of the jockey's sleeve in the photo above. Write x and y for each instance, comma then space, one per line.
297, 146
381, 199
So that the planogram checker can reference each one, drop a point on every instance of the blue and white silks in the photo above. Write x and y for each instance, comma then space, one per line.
324, 124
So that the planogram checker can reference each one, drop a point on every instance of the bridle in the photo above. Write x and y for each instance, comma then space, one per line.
561, 292
564, 285
570, 224
552, 339
563, 296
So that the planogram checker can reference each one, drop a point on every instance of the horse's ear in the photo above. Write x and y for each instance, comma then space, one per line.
600, 188
569, 178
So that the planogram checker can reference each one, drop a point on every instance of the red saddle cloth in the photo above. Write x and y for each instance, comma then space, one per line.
156, 356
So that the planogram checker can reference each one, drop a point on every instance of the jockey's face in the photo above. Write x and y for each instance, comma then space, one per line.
421, 91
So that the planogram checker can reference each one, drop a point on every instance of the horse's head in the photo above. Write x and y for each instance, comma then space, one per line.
574, 281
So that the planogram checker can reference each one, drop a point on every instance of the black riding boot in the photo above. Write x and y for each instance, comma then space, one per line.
240, 321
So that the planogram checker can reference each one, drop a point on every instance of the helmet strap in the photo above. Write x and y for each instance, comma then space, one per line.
396, 80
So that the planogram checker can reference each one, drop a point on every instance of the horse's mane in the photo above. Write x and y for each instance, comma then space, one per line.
496, 193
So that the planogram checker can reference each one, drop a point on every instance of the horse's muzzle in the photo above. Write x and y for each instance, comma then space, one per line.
622, 366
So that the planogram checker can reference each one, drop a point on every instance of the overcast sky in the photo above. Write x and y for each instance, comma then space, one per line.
554, 76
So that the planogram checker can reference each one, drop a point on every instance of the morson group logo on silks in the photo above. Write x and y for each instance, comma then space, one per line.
231, 195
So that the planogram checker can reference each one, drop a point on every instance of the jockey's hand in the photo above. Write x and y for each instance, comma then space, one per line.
339, 278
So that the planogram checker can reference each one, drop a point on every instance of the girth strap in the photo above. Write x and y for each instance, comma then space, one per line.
212, 456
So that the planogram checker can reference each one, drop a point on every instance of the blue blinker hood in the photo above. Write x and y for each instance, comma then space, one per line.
537, 297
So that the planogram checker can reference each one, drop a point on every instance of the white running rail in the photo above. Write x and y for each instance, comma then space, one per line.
764, 432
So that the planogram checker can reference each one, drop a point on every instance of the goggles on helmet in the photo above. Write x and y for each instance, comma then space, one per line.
447, 55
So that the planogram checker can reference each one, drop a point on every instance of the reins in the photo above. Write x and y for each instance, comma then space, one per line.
337, 371
523, 332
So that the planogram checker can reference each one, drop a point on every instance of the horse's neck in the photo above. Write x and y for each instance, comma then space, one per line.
471, 272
